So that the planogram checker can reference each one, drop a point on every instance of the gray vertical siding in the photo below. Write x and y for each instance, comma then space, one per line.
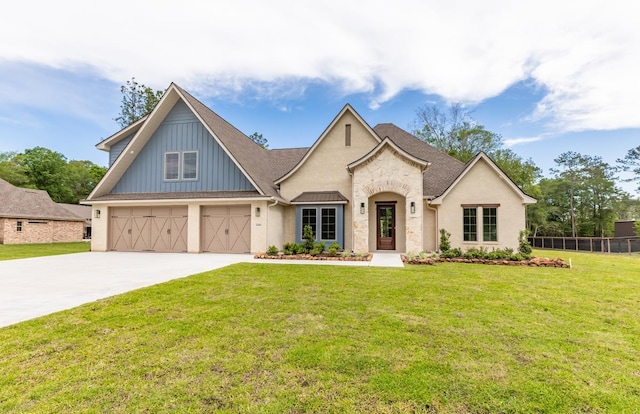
182, 131
116, 149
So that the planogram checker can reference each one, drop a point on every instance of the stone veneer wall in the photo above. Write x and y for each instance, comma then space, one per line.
41, 231
388, 171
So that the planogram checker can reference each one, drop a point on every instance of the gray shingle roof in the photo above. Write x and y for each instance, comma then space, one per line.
16, 202
320, 197
442, 172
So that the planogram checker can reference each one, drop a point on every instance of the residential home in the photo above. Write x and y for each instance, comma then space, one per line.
30, 216
83, 212
183, 179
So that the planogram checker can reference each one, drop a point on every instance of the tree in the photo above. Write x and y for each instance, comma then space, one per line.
138, 101
259, 139
10, 171
455, 133
82, 177
46, 170
631, 162
570, 164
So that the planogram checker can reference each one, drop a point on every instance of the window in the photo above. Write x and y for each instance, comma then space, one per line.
308, 219
347, 135
489, 224
171, 165
190, 165
19, 226
469, 224
328, 224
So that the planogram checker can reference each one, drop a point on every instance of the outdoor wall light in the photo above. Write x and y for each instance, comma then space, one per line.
257, 211
361, 208
96, 214
413, 207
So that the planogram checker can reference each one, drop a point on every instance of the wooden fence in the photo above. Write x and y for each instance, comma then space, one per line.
588, 244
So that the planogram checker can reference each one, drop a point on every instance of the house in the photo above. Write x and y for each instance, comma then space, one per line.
182, 179
83, 212
30, 216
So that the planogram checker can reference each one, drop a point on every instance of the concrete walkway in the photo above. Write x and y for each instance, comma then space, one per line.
35, 287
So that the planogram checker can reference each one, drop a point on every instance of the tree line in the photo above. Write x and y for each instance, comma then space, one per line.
579, 198
43, 169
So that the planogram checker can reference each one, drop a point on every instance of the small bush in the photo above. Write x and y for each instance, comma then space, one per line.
319, 246
524, 248
452, 253
334, 248
475, 253
346, 253
445, 244
309, 238
272, 250
290, 248
315, 251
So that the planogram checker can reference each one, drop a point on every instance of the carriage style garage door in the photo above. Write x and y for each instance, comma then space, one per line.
226, 229
156, 229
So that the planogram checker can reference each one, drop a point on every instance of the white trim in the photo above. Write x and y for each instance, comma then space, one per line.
202, 201
164, 169
107, 143
184, 164
302, 203
387, 141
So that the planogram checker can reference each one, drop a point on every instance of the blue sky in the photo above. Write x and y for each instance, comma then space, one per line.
549, 79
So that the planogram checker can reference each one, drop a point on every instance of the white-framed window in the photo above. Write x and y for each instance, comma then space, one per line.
18, 226
190, 165
171, 166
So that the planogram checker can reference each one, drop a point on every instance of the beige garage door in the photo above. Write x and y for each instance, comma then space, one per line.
154, 229
226, 229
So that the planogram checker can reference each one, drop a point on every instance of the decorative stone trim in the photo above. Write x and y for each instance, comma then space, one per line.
534, 262
365, 258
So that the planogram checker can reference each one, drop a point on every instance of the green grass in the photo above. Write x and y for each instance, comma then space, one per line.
449, 338
23, 251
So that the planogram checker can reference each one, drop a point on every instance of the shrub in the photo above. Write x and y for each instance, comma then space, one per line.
452, 253
524, 248
333, 249
346, 253
315, 251
272, 250
445, 244
475, 253
290, 248
309, 238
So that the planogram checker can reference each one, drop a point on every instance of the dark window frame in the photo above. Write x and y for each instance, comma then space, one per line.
334, 230
306, 221
470, 224
490, 224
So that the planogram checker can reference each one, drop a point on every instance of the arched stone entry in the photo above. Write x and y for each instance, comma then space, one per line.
383, 208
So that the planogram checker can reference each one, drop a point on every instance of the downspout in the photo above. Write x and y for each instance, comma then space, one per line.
435, 210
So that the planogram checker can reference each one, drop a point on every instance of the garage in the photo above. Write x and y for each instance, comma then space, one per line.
148, 229
226, 229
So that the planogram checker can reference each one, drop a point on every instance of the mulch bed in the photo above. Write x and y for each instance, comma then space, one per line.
533, 262
365, 258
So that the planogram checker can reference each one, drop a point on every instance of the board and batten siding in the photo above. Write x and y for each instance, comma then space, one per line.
116, 149
182, 131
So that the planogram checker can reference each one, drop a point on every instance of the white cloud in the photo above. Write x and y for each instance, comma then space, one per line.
510, 142
586, 54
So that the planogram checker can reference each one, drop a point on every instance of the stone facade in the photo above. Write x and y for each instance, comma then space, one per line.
387, 171
40, 231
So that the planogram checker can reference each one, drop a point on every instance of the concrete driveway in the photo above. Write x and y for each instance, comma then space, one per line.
30, 288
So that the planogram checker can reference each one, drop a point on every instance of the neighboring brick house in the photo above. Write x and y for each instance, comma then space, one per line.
30, 216
182, 179
82, 212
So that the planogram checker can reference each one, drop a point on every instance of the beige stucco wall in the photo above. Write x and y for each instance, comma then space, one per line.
326, 169
99, 229
482, 185
374, 180
275, 225
430, 235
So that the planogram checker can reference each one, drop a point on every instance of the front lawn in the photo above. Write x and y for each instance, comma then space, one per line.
449, 338
23, 251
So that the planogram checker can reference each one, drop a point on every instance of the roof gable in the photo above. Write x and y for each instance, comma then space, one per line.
249, 157
481, 156
387, 142
346, 109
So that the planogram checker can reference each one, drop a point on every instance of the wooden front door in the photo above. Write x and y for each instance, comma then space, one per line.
386, 226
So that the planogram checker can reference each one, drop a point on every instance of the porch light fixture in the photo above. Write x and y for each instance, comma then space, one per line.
257, 211
96, 214
413, 207
361, 208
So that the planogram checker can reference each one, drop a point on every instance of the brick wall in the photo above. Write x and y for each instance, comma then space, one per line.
40, 231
